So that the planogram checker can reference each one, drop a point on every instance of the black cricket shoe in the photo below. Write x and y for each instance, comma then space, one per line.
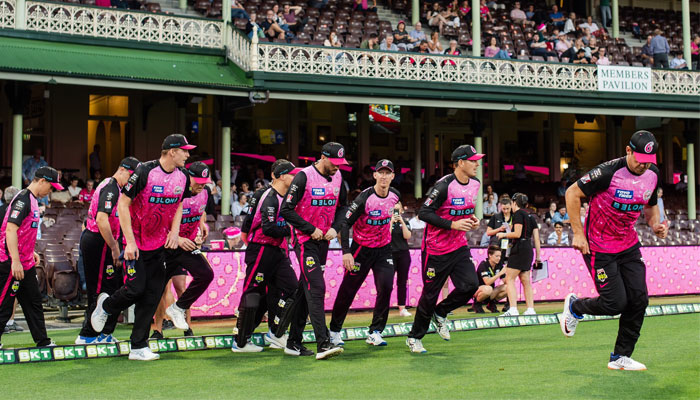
295, 349
492, 306
477, 307
327, 350
189, 332
157, 335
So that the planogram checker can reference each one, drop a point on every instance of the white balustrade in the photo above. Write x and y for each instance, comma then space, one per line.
7, 14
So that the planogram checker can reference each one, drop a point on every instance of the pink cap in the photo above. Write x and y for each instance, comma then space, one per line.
232, 232
645, 158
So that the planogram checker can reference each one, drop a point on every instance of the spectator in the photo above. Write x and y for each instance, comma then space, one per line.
538, 45
259, 184
549, 214
593, 49
245, 189
422, 48
501, 222
434, 45
530, 13
695, 52
279, 18
290, 15
490, 206
216, 191
647, 57
361, 5
488, 272
558, 237
30, 165
332, 41
439, 18
678, 62
253, 27
400, 234
416, 223
518, 16
580, 57
388, 43
233, 238
586, 36
489, 190
556, 17
464, 12
241, 206
485, 12
237, 10
659, 49
85, 195
95, 162
562, 44
494, 51
453, 50
562, 216
602, 57
271, 28
417, 35
570, 25
592, 26
74, 189
10, 193
605, 12
371, 43
402, 39
660, 203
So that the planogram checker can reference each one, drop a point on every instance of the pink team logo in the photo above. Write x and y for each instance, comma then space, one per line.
385, 163
205, 173
649, 147
341, 153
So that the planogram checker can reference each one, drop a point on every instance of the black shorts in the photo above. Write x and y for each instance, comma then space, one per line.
521, 255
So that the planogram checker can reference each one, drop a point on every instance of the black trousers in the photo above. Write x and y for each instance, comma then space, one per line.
198, 267
269, 274
379, 261
312, 289
660, 60
620, 280
101, 276
145, 282
457, 266
27, 293
402, 262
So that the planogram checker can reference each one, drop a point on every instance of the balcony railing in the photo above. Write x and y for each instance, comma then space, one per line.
109, 23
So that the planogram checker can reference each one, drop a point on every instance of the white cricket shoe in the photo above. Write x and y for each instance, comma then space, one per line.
415, 345
249, 347
99, 316
276, 342
143, 354
512, 312
567, 320
626, 363
441, 326
178, 316
404, 313
336, 339
375, 339
530, 311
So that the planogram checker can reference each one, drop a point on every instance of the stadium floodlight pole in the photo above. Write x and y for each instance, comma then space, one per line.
415, 11
225, 170
476, 28
17, 121
685, 7
479, 144
616, 19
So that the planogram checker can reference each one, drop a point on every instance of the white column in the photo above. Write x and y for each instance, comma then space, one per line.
415, 11
363, 136
479, 145
417, 183
692, 213
685, 10
668, 153
225, 16
616, 18
17, 121
21, 15
225, 170
476, 28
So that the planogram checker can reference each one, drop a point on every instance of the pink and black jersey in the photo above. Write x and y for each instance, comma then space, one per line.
617, 197
449, 200
192, 210
23, 211
105, 200
268, 227
156, 196
253, 202
370, 218
314, 201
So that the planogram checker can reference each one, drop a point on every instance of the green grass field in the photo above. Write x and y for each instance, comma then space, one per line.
524, 362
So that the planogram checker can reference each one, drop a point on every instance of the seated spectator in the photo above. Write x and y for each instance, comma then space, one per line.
331, 41
422, 47
245, 189
561, 190
371, 43
434, 45
453, 50
241, 206
388, 43
417, 35
549, 215
290, 15
570, 25
593, 49
488, 272
562, 44
402, 39
233, 238
580, 57
592, 26
538, 45
602, 58
271, 28
85, 195
74, 189
647, 57
237, 10
464, 12
494, 51
558, 237
488, 191
586, 36
362, 5
518, 16
556, 17
530, 13
441, 18
490, 206
678, 62
253, 26
485, 12
562, 216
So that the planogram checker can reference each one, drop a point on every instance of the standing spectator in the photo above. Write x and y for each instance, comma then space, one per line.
570, 25
488, 191
660, 203
74, 189
592, 26
605, 12
388, 43
647, 57
30, 165
464, 12
237, 10
485, 12
695, 52
241, 206
371, 43
332, 40
549, 215
400, 233
602, 57
416, 224
530, 13
402, 38
556, 17
678, 62
659, 49
490, 206
361, 5
558, 237
434, 45
85, 195
95, 162
562, 216
518, 16
494, 51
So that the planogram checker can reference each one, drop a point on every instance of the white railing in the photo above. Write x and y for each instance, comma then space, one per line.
238, 50
7, 13
326, 61
113, 23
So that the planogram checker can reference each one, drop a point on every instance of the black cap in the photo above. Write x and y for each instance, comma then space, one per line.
199, 172
384, 164
129, 163
177, 141
285, 167
466, 152
51, 176
644, 146
335, 152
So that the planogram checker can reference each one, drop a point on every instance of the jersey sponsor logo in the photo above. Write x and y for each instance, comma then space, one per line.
293, 188
289, 198
202, 208
627, 207
458, 213
271, 214
14, 214
585, 179
624, 194
186, 211
348, 214
318, 191
649, 147
336, 191
595, 173
428, 201
108, 204
647, 195
178, 190
323, 202
128, 186
378, 222
19, 204
375, 213
458, 201
190, 220
157, 189
163, 200
36, 214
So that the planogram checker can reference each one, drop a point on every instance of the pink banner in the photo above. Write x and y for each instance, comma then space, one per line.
670, 271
